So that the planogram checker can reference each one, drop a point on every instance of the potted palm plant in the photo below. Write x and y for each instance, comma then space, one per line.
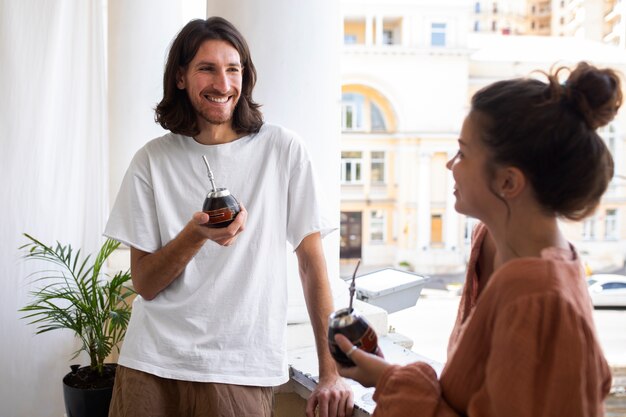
75, 294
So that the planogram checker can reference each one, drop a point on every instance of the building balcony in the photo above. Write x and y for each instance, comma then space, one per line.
378, 50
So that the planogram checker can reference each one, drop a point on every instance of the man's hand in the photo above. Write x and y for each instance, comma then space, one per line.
224, 236
153, 272
332, 397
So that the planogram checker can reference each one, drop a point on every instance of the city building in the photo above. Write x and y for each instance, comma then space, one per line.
409, 69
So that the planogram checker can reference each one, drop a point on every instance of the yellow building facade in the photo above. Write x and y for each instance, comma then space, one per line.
403, 102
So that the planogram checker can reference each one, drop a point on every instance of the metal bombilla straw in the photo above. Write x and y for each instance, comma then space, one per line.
353, 286
208, 168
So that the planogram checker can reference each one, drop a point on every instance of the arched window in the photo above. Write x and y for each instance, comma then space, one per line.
364, 112
352, 106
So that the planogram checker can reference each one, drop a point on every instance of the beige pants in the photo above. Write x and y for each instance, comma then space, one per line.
138, 394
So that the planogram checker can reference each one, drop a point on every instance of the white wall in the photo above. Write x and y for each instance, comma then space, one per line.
295, 47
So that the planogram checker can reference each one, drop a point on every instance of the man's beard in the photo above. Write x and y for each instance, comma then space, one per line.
220, 120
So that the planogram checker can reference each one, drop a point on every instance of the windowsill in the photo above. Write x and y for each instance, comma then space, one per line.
303, 373
303, 364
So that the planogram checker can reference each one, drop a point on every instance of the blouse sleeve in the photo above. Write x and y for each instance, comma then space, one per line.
411, 390
544, 361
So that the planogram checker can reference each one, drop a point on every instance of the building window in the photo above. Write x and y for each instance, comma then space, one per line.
377, 119
438, 34
470, 224
494, 26
348, 116
350, 244
495, 8
610, 225
477, 26
377, 226
609, 135
436, 229
378, 168
352, 111
387, 37
351, 163
349, 39
589, 229
361, 113
477, 7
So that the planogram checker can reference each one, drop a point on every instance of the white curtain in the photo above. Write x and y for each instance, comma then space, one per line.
53, 154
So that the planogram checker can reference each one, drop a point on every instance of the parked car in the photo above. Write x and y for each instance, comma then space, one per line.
607, 290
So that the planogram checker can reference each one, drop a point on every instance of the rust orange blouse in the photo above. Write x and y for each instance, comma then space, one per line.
527, 347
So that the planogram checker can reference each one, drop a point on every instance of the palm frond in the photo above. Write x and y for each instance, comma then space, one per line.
78, 296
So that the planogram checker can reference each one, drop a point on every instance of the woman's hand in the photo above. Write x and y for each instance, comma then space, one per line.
369, 368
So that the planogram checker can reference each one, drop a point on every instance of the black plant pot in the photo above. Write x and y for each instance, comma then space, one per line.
86, 402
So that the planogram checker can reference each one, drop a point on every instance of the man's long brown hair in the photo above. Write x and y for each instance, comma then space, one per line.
175, 112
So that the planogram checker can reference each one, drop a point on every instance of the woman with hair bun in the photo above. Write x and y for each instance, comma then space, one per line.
524, 343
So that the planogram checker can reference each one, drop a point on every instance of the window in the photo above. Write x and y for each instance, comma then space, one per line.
377, 119
351, 163
436, 230
377, 226
378, 168
477, 7
387, 37
495, 8
470, 223
438, 34
610, 225
352, 111
350, 244
477, 26
494, 26
614, 286
349, 39
349, 116
361, 113
609, 135
589, 227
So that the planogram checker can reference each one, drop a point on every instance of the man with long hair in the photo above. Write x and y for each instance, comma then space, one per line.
207, 332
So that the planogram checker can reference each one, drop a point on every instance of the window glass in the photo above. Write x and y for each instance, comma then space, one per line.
349, 39
610, 224
589, 226
378, 167
351, 167
438, 34
377, 226
388, 37
352, 110
378, 122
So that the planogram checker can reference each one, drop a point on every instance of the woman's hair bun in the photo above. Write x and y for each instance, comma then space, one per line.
595, 93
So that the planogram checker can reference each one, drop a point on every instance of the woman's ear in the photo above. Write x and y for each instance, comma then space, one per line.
511, 182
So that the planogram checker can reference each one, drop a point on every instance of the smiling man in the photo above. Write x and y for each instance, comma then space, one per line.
207, 332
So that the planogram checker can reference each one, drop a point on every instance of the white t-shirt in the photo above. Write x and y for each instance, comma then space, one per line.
224, 319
